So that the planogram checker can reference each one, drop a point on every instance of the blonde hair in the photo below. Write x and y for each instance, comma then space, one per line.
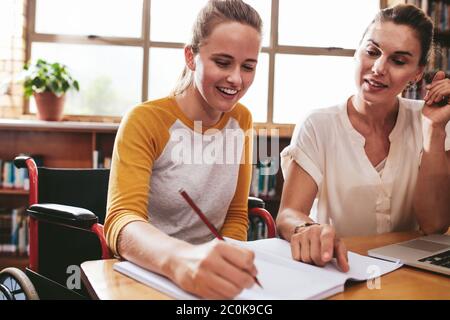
214, 13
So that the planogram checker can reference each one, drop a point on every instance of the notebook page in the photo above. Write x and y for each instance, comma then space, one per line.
361, 267
279, 281
153, 280
280, 275
365, 268
284, 279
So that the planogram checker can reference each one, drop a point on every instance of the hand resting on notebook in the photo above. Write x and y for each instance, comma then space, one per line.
318, 244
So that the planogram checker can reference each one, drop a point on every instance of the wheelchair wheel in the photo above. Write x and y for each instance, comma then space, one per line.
15, 285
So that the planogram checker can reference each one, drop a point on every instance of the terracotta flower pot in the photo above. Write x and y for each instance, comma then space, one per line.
50, 107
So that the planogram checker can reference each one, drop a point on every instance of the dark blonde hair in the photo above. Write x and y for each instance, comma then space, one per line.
214, 13
413, 17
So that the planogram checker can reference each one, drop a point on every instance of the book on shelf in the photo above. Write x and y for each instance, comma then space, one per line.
16, 178
100, 161
95, 159
12, 177
13, 231
263, 182
107, 163
437, 10
7, 178
280, 276
257, 228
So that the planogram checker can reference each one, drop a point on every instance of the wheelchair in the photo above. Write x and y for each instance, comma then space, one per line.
65, 231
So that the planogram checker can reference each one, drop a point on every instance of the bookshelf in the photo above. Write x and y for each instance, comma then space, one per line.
13, 191
439, 12
59, 144
269, 189
10, 260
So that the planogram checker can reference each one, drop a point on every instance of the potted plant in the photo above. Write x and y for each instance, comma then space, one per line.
48, 83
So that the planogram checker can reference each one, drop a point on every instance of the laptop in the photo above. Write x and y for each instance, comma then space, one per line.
428, 252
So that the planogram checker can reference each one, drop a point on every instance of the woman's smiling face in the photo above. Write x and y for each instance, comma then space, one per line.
225, 65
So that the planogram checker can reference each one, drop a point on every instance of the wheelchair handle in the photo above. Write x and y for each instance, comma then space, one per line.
21, 161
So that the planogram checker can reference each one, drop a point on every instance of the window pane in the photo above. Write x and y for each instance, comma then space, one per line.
110, 76
164, 29
11, 23
119, 18
256, 97
264, 8
178, 28
325, 23
166, 66
320, 81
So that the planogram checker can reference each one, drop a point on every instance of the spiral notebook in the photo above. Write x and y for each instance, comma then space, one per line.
282, 278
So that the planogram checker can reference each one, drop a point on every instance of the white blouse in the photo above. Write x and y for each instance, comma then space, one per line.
353, 195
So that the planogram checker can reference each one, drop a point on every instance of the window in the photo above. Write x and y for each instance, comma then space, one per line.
113, 18
127, 51
110, 76
319, 81
163, 29
324, 23
311, 75
12, 56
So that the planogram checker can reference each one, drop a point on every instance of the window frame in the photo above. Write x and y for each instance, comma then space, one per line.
145, 43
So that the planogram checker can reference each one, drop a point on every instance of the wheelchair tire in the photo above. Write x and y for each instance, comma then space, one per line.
15, 285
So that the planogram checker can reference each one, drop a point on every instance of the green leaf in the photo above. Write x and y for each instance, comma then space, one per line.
28, 92
43, 76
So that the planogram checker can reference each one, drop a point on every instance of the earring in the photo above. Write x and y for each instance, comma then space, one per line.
412, 86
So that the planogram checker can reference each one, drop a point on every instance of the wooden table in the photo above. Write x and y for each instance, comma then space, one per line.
405, 283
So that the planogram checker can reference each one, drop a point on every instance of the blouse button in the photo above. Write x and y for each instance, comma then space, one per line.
383, 204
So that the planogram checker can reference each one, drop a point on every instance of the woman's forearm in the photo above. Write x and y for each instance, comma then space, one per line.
145, 245
288, 219
431, 198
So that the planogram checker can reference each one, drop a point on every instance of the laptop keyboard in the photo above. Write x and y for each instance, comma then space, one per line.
441, 259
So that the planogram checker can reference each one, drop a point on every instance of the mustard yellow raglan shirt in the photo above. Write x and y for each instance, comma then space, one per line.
158, 151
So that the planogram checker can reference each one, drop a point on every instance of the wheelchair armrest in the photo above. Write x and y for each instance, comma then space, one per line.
255, 203
61, 214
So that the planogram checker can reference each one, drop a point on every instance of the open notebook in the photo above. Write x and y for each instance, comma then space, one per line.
280, 276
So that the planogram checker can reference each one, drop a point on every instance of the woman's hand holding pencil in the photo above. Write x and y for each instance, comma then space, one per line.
214, 270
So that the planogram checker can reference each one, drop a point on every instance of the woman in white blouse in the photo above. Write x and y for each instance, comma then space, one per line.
376, 162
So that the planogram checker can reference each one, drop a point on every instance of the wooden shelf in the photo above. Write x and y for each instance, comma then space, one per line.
58, 126
11, 260
14, 191
62, 144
